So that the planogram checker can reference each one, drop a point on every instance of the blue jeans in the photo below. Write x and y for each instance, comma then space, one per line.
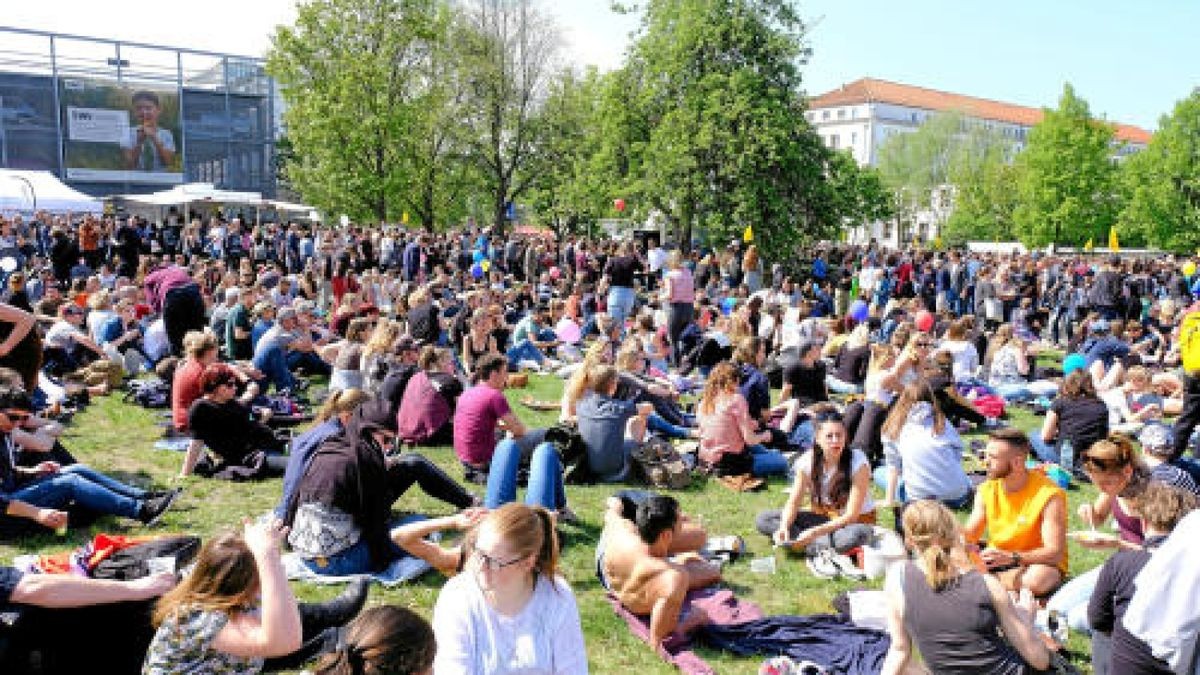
1044, 451
357, 558
766, 462
656, 423
273, 364
308, 361
1013, 392
545, 476
86, 487
522, 351
1072, 599
620, 304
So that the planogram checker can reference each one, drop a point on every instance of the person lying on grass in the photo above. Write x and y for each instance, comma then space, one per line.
647, 559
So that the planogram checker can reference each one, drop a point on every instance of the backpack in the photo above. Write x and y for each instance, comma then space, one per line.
150, 393
1189, 343
133, 562
572, 450
661, 465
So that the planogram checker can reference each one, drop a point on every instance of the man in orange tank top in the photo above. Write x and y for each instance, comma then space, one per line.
1025, 516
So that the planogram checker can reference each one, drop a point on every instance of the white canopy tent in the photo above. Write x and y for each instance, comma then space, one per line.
196, 192
30, 191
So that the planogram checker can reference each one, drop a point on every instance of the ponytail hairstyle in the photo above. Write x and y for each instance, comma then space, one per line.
528, 531
340, 401
383, 640
931, 529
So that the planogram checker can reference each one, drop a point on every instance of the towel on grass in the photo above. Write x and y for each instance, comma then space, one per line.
825, 639
722, 607
400, 571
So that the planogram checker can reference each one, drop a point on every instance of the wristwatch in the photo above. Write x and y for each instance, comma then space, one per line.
1016, 558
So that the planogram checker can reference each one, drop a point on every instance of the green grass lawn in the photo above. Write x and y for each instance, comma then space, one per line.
118, 438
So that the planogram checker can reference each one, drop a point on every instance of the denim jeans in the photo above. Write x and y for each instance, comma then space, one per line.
1072, 599
309, 361
357, 558
1013, 392
766, 462
837, 386
523, 351
545, 476
1044, 451
273, 364
657, 424
84, 486
620, 304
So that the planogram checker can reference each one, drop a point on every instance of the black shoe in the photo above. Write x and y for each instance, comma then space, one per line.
153, 508
173, 492
339, 611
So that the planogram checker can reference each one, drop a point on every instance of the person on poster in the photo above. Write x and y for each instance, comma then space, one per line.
148, 147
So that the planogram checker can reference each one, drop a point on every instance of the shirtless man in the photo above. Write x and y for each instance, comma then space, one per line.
647, 558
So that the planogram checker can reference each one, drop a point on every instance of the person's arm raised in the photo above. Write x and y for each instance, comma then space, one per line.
276, 630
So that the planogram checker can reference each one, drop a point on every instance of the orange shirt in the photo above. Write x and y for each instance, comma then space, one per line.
1014, 519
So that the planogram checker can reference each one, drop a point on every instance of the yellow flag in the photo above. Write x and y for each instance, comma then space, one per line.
937, 242
404, 217
1088, 246
748, 234
1113, 244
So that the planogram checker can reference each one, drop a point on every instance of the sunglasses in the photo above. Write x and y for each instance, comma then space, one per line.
16, 415
1099, 463
828, 416
923, 343
494, 564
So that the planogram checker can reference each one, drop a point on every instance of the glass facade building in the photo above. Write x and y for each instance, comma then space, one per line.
111, 117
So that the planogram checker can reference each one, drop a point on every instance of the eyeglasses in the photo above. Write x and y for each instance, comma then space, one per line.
488, 562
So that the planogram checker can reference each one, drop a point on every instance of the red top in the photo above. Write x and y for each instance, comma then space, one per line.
185, 388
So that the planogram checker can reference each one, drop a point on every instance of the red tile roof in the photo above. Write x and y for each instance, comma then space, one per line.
870, 90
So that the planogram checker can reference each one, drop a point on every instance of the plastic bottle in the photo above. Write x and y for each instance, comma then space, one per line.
1066, 454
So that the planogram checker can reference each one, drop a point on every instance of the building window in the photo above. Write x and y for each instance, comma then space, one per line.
824, 114
841, 115
833, 140
853, 138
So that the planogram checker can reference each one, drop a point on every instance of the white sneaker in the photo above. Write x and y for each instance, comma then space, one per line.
846, 567
822, 566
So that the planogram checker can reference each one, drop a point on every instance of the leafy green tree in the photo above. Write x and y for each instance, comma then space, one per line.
1163, 182
508, 49
985, 181
708, 125
354, 78
915, 164
859, 193
1067, 183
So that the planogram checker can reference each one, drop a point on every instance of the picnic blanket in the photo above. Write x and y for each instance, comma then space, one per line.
400, 571
826, 639
723, 608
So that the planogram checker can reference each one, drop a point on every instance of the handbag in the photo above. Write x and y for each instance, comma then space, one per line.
321, 531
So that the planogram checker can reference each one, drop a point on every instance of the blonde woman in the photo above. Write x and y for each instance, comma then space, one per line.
961, 620
377, 355
511, 611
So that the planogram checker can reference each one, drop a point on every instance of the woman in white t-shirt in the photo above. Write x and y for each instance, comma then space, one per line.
509, 612
835, 482
959, 346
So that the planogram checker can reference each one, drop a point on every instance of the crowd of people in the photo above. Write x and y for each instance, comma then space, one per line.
882, 360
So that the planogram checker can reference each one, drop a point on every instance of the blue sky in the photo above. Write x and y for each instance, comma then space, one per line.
1131, 60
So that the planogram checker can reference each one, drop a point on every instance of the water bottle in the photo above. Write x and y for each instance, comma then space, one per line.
1066, 455
147, 160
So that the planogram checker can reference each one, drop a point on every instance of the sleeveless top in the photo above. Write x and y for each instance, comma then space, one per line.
1014, 520
957, 629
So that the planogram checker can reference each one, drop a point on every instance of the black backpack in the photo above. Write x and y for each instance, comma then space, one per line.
133, 562
572, 450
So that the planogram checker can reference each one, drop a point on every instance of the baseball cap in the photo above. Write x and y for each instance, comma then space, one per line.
1074, 362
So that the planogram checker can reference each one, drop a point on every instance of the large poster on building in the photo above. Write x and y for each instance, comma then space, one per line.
120, 133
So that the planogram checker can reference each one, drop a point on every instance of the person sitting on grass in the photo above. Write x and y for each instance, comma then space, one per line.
330, 420
835, 481
961, 620
200, 352
1025, 516
511, 612
40, 493
235, 611
481, 413
729, 439
427, 409
384, 640
348, 488
244, 448
922, 451
610, 427
647, 559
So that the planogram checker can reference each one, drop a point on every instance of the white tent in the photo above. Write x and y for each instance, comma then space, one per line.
30, 191
196, 192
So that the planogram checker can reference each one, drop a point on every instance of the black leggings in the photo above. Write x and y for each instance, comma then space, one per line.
183, 311
410, 468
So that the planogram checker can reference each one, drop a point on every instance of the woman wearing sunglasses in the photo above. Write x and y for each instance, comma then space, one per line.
510, 611
1120, 476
